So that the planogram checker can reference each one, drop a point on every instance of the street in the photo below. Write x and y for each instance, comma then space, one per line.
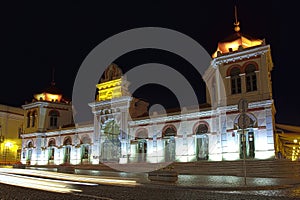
141, 192
34, 184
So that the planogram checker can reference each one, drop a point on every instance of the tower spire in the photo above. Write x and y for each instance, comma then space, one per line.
236, 23
53, 82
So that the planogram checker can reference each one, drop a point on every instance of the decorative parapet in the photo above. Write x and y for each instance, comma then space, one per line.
245, 54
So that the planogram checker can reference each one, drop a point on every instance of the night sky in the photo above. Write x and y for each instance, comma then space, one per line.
37, 38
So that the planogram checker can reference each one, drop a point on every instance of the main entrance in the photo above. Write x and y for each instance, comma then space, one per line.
202, 142
169, 133
111, 147
249, 141
67, 150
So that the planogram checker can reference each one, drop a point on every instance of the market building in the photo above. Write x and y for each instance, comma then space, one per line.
123, 131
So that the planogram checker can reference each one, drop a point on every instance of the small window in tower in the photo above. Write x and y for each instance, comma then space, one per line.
251, 80
236, 87
53, 118
33, 118
28, 119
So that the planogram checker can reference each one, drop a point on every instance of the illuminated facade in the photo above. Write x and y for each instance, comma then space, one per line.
240, 68
11, 122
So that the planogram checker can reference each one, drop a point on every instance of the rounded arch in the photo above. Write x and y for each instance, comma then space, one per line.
141, 133
233, 67
169, 130
201, 127
85, 139
51, 142
253, 121
247, 64
67, 140
29, 144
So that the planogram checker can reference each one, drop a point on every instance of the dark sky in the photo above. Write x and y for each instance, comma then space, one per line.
37, 37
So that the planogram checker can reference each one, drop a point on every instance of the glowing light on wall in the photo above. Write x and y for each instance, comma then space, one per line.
48, 97
224, 47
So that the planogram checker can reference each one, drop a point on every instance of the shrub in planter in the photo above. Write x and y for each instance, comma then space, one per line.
165, 174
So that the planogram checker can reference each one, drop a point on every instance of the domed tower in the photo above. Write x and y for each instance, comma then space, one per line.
48, 112
244, 64
111, 116
241, 69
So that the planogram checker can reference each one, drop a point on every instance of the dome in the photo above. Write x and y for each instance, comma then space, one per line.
235, 42
51, 93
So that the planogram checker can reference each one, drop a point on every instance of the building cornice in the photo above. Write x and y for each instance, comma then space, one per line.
199, 114
179, 117
34, 105
251, 105
44, 104
240, 55
59, 132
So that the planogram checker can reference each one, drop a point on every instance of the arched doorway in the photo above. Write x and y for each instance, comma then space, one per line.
201, 142
67, 149
51, 151
141, 137
248, 137
29, 152
169, 132
85, 149
111, 148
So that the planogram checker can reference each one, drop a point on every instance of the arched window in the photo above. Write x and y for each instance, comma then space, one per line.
251, 84
202, 128
235, 80
141, 134
51, 143
169, 131
53, 118
68, 141
29, 144
28, 119
33, 118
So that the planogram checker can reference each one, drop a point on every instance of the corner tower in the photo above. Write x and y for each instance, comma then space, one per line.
48, 111
241, 69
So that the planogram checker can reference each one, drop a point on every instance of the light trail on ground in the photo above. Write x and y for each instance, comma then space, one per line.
61, 178
36, 183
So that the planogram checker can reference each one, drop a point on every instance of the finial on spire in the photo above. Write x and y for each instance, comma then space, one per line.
53, 82
236, 23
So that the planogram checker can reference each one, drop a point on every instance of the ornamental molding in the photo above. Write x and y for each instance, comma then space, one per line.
193, 115
122, 103
179, 117
251, 105
236, 56
59, 132
34, 105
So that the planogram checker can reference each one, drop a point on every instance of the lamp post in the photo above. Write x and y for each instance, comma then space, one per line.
243, 123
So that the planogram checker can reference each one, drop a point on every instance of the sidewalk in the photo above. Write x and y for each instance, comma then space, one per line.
205, 182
